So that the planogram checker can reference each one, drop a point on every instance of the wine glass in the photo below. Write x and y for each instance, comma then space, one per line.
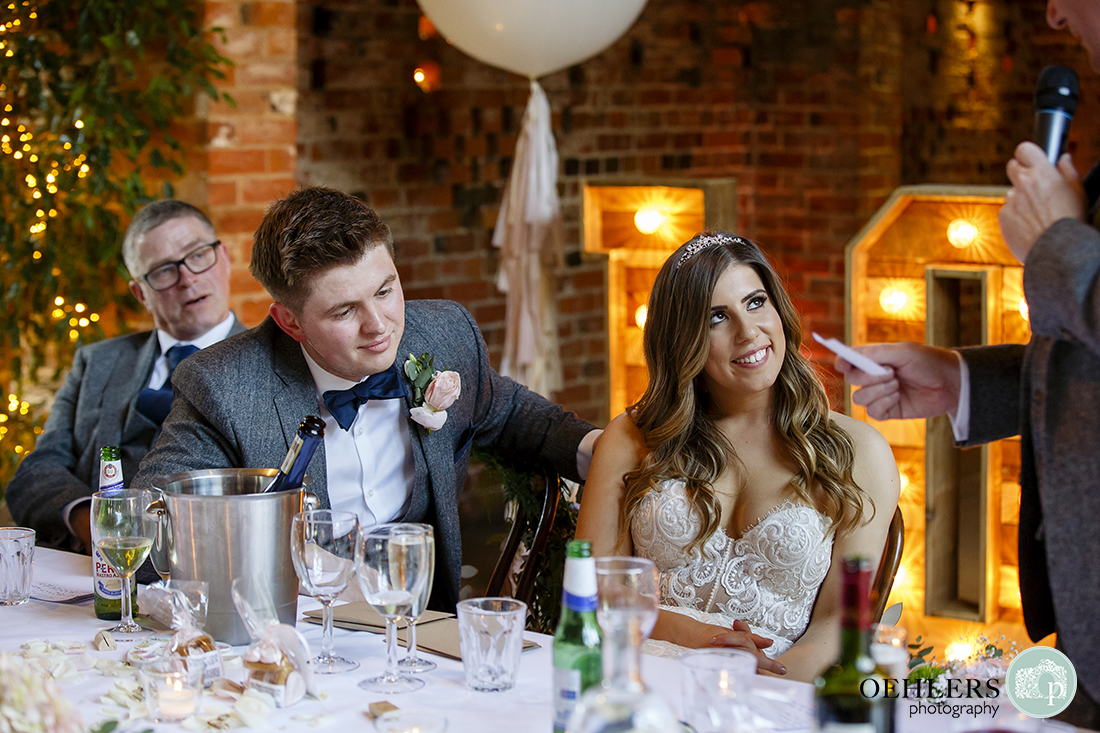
322, 544
124, 536
412, 661
391, 562
626, 608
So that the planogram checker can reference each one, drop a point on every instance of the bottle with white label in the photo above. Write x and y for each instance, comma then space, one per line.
106, 585
577, 660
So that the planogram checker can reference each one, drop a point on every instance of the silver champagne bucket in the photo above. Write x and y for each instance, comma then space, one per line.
216, 525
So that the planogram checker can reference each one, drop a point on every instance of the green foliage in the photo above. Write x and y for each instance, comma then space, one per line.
89, 93
546, 598
927, 672
109, 726
420, 372
918, 656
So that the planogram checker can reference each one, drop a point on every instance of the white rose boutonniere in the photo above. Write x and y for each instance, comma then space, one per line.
433, 392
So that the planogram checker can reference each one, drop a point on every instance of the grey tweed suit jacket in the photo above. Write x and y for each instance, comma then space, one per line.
1049, 393
94, 407
239, 403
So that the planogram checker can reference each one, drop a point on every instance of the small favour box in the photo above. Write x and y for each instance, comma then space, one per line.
277, 662
181, 605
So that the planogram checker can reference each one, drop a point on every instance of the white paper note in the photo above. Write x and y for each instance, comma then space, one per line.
852, 356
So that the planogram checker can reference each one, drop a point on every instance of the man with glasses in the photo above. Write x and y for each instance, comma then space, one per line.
119, 390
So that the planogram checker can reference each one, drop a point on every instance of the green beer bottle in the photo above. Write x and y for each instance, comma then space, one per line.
106, 585
851, 695
577, 664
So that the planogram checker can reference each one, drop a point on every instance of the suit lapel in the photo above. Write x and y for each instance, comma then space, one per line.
296, 399
237, 327
127, 385
418, 505
430, 458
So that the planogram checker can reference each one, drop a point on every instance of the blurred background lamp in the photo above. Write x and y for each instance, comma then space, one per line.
639, 315
1024, 310
893, 300
900, 578
959, 651
648, 220
961, 233
427, 76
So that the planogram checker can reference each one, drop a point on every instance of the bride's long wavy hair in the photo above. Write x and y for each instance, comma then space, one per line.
674, 414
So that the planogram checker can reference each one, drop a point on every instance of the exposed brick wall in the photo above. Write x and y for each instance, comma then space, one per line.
249, 155
818, 108
970, 71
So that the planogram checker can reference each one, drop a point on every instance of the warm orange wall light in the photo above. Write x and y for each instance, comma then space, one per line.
640, 315
648, 220
961, 233
893, 300
427, 76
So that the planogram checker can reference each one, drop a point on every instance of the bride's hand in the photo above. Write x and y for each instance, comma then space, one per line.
741, 637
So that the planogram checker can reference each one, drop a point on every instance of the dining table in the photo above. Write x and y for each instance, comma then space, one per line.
776, 704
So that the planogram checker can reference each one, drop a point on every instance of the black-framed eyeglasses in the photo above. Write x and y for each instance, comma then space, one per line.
168, 274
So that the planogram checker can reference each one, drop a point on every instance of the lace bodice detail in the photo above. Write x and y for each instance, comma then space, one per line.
769, 577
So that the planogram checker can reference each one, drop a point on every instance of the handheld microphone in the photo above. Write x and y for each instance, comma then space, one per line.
1055, 103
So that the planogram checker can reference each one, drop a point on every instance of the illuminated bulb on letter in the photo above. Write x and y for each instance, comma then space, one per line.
640, 315
961, 233
1023, 310
648, 220
901, 577
959, 651
893, 300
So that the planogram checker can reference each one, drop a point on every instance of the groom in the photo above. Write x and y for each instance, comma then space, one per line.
336, 344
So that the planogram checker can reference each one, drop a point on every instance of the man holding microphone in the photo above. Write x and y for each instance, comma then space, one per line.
1047, 392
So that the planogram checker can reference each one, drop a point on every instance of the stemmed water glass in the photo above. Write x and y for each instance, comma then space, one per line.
412, 661
124, 536
626, 608
322, 544
391, 562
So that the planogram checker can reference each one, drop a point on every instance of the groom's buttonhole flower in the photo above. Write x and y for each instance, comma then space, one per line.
433, 392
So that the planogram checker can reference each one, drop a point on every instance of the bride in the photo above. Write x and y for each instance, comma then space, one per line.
732, 474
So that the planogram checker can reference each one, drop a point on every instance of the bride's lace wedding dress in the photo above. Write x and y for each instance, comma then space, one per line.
769, 577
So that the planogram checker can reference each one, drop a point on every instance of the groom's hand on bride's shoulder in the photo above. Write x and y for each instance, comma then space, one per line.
742, 637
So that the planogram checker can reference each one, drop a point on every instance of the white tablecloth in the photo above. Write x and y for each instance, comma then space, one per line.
780, 705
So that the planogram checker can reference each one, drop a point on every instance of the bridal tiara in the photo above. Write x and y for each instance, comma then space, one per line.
706, 242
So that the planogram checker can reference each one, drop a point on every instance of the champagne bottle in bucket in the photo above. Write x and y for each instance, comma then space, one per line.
293, 469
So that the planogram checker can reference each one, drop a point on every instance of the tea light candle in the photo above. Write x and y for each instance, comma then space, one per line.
175, 699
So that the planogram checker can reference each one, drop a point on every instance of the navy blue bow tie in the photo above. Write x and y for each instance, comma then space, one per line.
344, 403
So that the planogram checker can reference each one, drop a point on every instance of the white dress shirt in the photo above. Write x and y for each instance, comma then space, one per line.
369, 467
159, 375
960, 421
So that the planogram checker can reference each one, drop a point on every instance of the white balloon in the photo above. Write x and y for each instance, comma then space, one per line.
532, 37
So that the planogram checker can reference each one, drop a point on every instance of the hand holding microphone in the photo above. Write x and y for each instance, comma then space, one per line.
1041, 193
1055, 102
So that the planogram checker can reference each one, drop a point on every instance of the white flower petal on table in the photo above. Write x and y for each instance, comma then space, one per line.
66, 673
254, 707
84, 661
114, 668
